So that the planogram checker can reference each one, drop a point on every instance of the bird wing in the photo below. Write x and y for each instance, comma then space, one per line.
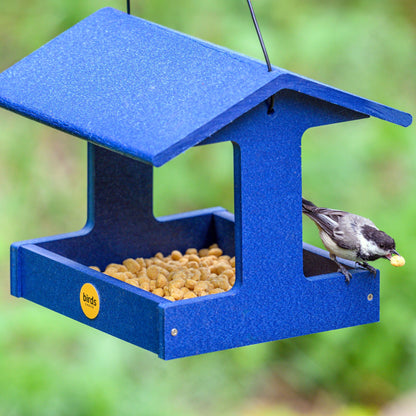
328, 220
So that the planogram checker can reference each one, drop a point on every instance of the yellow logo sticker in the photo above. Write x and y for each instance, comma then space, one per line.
90, 301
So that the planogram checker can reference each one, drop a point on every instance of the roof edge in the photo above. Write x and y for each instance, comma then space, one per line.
282, 81
338, 97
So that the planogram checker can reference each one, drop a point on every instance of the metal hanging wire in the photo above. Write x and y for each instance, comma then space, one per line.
270, 109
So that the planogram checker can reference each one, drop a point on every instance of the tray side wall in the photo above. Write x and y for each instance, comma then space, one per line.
55, 282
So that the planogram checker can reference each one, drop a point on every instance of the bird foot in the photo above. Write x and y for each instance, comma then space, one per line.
346, 273
371, 269
342, 269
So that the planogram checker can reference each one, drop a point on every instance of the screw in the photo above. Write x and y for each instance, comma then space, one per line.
174, 332
370, 297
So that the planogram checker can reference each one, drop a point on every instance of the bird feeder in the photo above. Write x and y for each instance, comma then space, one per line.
141, 94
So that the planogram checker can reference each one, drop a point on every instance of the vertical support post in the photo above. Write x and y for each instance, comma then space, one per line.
120, 200
121, 216
121, 188
267, 208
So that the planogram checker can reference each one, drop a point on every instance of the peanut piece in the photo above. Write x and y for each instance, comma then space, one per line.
161, 281
397, 261
189, 295
216, 251
176, 293
153, 271
132, 266
158, 291
203, 252
132, 282
176, 255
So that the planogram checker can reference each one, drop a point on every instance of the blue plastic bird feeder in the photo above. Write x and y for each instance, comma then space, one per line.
141, 94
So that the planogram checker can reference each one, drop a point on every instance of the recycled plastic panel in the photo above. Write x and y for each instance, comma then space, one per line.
271, 299
143, 105
126, 312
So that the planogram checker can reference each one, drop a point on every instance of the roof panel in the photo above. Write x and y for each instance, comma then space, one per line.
141, 89
129, 84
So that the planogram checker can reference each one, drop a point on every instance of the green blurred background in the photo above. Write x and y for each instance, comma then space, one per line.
51, 365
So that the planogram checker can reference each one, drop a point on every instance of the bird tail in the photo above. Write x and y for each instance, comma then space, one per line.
307, 206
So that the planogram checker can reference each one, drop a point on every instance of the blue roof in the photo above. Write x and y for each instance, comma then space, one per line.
147, 91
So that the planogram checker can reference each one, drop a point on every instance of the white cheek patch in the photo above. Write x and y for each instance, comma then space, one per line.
368, 247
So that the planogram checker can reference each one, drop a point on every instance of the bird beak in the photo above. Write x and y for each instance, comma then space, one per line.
388, 256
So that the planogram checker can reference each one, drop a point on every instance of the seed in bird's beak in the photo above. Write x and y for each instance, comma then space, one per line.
397, 261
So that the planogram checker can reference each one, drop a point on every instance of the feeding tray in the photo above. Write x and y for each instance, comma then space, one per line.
141, 94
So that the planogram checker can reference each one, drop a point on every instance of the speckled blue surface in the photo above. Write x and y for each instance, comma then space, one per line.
271, 300
148, 91
141, 94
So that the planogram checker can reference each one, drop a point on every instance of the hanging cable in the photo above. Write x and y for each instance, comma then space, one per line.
270, 109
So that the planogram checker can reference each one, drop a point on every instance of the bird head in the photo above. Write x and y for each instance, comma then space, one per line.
388, 246
379, 244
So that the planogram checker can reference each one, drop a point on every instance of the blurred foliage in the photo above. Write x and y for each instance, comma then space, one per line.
51, 365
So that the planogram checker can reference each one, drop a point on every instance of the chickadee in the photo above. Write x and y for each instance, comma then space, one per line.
350, 237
